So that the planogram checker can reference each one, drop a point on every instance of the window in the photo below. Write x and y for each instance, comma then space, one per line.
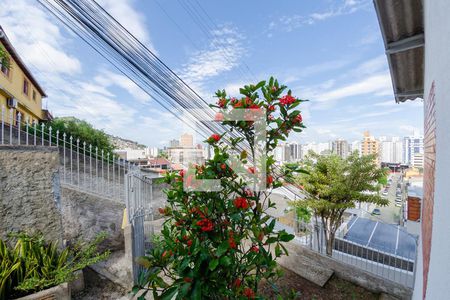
34, 95
5, 66
25, 87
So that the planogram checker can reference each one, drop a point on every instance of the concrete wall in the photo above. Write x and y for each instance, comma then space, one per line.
85, 215
435, 239
29, 191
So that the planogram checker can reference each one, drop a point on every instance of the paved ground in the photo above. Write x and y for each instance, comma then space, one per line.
390, 214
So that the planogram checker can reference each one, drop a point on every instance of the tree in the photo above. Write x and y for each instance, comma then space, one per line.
335, 184
84, 131
4, 58
221, 244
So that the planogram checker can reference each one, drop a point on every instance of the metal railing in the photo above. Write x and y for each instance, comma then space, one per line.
379, 259
82, 166
139, 203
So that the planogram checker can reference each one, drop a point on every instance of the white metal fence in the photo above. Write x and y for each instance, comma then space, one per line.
381, 260
139, 203
82, 166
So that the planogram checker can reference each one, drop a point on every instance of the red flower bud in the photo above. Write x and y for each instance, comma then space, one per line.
237, 282
271, 108
298, 119
215, 137
162, 210
189, 243
222, 102
249, 293
255, 249
223, 166
269, 179
187, 279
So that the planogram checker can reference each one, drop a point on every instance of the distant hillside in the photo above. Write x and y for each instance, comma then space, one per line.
121, 143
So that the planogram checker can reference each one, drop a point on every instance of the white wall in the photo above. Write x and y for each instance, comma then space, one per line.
437, 68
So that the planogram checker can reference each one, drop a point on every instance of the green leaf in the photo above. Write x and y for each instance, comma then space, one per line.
169, 293
277, 250
223, 247
260, 84
213, 264
225, 261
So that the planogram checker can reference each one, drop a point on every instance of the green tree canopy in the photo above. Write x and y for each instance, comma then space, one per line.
84, 131
335, 184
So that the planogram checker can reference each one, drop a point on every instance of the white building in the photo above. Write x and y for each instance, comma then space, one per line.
319, 148
412, 145
132, 154
340, 148
355, 146
391, 150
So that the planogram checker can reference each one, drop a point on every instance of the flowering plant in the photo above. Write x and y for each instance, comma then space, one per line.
221, 244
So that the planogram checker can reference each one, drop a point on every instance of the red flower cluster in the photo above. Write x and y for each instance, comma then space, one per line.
254, 249
251, 170
205, 224
215, 137
287, 99
249, 293
269, 179
241, 202
298, 119
181, 173
271, 108
248, 101
237, 282
231, 240
222, 102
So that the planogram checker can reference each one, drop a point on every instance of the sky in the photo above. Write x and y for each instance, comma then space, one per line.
327, 51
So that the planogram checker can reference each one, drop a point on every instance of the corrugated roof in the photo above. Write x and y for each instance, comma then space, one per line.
402, 28
9, 47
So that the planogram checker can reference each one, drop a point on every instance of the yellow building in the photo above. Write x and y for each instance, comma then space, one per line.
19, 90
369, 145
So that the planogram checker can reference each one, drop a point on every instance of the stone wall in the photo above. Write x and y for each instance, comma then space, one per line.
86, 215
29, 191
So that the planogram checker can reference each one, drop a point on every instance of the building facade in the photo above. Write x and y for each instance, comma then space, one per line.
19, 90
412, 145
340, 148
391, 150
370, 146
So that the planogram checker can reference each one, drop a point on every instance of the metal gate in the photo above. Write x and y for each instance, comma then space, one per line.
139, 199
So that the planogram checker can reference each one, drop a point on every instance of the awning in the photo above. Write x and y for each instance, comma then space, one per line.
402, 28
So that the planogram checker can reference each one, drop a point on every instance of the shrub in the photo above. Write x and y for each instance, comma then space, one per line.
221, 244
33, 265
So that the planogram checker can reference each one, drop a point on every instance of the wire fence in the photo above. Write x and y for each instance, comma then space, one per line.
82, 166
395, 262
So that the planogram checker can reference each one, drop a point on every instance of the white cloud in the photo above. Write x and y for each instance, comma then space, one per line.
379, 84
130, 18
46, 49
289, 23
107, 79
223, 54
36, 38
